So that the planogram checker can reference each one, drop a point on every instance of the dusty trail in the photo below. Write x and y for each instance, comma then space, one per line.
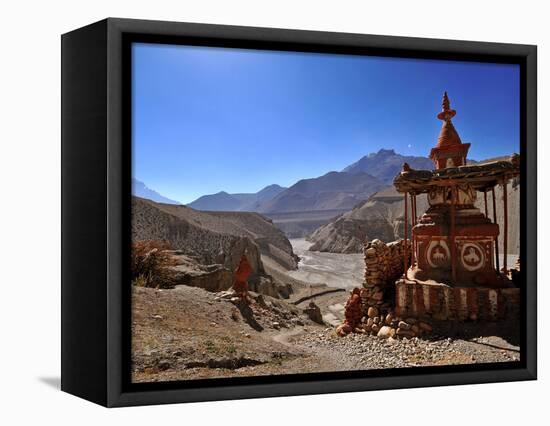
285, 336
328, 358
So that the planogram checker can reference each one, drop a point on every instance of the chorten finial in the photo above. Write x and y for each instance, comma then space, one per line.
449, 151
446, 112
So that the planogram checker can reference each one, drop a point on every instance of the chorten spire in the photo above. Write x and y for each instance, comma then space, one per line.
449, 151
448, 134
446, 112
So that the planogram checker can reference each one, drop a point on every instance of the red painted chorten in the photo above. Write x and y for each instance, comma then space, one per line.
454, 242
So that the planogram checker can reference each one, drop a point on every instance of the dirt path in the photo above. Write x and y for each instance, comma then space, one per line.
285, 336
325, 358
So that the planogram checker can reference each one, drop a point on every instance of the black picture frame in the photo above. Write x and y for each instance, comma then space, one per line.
96, 191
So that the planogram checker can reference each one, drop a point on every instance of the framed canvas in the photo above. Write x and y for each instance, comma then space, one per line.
255, 212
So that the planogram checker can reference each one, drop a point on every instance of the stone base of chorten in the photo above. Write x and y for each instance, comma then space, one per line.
442, 302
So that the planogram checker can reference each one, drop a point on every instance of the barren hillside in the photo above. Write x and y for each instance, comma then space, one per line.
212, 238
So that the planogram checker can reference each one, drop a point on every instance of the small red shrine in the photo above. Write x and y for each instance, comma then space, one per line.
454, 245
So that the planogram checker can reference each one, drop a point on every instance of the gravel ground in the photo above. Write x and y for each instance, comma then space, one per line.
188, 333
370, 352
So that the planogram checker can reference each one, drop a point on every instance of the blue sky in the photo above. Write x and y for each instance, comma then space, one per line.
211, 119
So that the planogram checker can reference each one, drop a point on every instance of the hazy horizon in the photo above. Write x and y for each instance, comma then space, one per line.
238, 120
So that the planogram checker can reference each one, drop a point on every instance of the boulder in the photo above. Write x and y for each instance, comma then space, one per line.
343, 330
403, 325
314, 313
372, 312
386, 332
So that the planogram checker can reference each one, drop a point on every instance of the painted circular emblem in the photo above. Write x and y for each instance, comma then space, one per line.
473, 256
438, 254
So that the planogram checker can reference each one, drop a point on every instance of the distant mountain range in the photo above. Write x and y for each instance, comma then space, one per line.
222, 201
139, 189
386, 163
309, 203
332, 191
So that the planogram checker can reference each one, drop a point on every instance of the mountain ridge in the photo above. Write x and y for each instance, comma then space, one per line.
139, 189
386, 164
334, 190
224, 201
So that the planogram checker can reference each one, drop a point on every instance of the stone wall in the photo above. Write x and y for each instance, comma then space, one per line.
386, 292
383, 266
441, 302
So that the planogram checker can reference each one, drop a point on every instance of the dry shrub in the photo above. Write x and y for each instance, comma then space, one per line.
150, 264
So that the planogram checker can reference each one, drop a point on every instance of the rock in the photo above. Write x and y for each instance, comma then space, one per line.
370, 251
375, 328
386, 332
389, 319
276, 325
235, 314
343, 330
404, 333
411, 321
247, 335
163, 365
376, 320
157, 317
370, 322
372, 312
296, 321
261, 301
403, 325
314, 313
415, 329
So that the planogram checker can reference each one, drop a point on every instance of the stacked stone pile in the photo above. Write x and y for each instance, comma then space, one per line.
389, 325
383, 266
384, 262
